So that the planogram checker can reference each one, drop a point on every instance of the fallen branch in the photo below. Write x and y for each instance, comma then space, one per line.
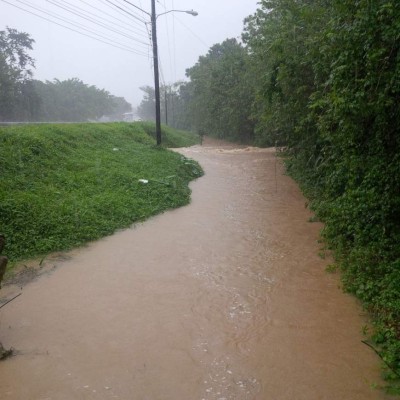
380, 356
9, 301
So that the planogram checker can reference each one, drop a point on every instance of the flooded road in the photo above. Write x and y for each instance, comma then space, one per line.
224, 299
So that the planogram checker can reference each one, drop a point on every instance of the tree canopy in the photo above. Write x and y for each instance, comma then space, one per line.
24, 99
222, 92
15, 71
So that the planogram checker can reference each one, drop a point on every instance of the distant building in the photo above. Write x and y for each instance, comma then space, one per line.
130, 117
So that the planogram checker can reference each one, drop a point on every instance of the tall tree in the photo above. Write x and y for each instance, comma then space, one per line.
170, 103
15, 71
73, 101
120, 107
146, 109
221, 91
283, 40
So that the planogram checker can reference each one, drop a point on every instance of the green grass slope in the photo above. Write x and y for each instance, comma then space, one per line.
64, 185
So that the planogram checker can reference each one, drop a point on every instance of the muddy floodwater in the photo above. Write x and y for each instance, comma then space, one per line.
224, 299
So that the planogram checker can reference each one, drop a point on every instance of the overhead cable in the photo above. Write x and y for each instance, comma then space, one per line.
126, 11
119, 46
139, 8
121, 24
137, 14
55, 3
139, 23
78, 25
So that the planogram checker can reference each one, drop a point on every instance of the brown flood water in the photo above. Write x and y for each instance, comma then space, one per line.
224, 299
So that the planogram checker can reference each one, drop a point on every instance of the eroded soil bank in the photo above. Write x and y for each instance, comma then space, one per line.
224, 299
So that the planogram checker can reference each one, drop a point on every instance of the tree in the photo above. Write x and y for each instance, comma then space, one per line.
74, 101
14, 71
179, 101
217, 100
147, 107
221, 92
170, 105
283, 40
120, 107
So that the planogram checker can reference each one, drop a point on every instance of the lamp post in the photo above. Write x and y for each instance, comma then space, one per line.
154, 17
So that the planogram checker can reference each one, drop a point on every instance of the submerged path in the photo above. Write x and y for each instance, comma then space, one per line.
224, 299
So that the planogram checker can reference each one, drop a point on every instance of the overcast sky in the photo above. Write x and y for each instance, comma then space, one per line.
62, 53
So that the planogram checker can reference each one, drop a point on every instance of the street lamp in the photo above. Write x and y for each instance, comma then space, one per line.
154, 17
191, 12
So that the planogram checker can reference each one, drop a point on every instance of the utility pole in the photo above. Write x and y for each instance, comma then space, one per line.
166, 107
153, 17
156, 76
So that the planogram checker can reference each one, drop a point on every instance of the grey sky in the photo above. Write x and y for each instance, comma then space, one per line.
63, 54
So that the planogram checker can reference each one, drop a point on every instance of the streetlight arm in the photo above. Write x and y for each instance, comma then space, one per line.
191, 12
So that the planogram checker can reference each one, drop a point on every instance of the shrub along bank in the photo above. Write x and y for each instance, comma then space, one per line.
328, 88
64, 185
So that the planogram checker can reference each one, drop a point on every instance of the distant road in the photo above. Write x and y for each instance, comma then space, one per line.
53, 122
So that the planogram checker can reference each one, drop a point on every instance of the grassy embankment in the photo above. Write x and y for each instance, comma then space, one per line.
64, 185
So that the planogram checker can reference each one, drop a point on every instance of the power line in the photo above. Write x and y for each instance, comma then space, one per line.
148, 31
125, 11
123, 14
161, 71
181, 22
174, 39
147, 27
133, 5
96, 22
130, 28
194, 34
125, 48
168, 42
80, 26
137, 13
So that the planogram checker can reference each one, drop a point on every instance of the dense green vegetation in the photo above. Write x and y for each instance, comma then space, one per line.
216, 101
25, 99
74, 101
64, 185
322, 79
174, 105
331, 94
